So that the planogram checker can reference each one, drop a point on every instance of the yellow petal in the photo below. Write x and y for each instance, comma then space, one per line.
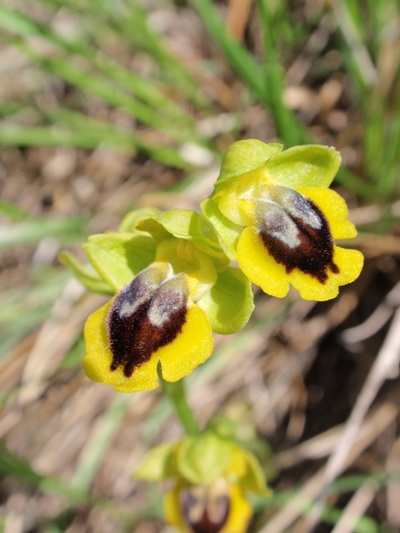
192, 346
99, 357
238, 465
335, 209
349, 262
259, 266
172, 509
240, 512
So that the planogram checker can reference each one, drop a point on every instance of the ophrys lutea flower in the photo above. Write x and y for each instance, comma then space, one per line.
212, 478
166, 313
275, 214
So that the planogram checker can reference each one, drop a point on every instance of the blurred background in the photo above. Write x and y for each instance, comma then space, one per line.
109, 105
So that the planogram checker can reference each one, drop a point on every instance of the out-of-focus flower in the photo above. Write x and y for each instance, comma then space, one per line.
274, 213
172, 292
212, 480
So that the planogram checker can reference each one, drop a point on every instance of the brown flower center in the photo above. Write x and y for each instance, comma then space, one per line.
206, 509
297, 235
143, 319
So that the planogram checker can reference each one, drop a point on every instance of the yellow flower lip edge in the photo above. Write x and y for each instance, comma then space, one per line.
341, 267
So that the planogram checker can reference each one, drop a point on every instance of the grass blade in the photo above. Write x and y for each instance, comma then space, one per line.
99, 442
32, 231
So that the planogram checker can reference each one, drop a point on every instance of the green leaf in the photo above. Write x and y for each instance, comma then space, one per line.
119, 257
305, 166
99, 441
12, 211
13, 465
88, 136
230, 302
90, 279
244, 156
158, 463
203, 459
74, 357
227, 232
16, 22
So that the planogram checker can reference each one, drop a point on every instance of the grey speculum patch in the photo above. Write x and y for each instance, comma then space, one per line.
313, 254
205, 513
133, 336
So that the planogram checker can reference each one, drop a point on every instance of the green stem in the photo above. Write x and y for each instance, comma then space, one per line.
176, 393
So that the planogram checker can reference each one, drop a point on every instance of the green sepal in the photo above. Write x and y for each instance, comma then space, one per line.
90, 279
158, 464
227, 231
202, 459
229, 303
244, 156
130, 221
304, 166
175, 222
184, 224
119, 257
254, 480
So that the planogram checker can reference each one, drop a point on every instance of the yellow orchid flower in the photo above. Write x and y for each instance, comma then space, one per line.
154, 319
212, 478
173, 291
291, 241
281, 222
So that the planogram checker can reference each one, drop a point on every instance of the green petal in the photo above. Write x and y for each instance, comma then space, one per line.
305, 166
130, 221
118, 257
244, 156
203, 459
229, 304
254, 480
90, 279
221, 261
158, 463
185, 224
228, 232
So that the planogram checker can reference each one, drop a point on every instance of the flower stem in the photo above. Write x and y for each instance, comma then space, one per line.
176, 393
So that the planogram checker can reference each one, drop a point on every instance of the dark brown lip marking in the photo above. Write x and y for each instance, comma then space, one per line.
205, 513
314, 253
141, 320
